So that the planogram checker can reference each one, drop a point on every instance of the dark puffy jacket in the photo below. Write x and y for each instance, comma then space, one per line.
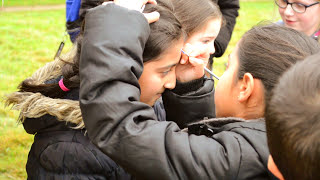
199, 106
60, 152
126, 129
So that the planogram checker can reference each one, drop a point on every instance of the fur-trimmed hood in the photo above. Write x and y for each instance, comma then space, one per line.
35, 105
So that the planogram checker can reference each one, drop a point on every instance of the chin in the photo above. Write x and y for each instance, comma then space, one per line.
154, 101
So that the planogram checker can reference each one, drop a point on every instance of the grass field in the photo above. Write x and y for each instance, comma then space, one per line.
27, 41
251, 13
30, 39
7, 3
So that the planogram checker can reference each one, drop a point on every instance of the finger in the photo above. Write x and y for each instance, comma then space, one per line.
152, 1
184, 57
195, 61
188, 48
152, 17
144, 2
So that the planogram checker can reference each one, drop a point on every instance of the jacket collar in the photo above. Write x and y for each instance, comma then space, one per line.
210, 127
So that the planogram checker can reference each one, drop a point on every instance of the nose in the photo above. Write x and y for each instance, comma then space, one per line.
288, 10
171, 80
211, 48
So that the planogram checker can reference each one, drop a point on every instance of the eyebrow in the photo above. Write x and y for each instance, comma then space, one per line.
169, 66
211, 37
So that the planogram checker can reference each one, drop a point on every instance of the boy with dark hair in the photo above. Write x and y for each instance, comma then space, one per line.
293, 122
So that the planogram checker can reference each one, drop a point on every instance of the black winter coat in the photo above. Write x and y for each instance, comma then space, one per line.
229, 10
126, 129
60, 152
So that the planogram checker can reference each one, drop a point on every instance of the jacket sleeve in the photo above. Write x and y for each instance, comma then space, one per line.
124, 128
229, 10
188, 107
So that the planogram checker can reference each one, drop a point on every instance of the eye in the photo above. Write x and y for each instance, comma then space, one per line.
300, 5
166, 72
206, 41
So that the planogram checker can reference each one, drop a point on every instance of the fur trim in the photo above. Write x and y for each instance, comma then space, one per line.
35, 105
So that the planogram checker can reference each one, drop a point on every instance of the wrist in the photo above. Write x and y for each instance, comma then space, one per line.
185, 87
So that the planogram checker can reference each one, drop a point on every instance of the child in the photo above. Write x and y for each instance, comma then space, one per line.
302, 15
50, 108
293, 123
125, 128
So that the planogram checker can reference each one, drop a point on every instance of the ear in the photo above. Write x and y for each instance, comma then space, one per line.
246, 87
274, 169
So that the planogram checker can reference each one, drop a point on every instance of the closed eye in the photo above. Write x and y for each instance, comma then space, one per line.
166, 72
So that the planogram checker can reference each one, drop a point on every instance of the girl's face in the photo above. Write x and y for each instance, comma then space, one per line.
307, 22
204, 38
227, 88
159, 74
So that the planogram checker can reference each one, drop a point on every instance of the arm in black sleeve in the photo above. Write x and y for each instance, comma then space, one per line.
190, 102
123, 127
229, 9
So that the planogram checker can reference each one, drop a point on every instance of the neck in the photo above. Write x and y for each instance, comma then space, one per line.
254, 107
252, 113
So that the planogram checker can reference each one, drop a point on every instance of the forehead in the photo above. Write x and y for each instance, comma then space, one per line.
210, 29
170, 56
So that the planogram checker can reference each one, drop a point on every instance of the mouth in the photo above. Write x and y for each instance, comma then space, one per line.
289, 22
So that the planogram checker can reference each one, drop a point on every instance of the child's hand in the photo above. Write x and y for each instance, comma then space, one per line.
192, 64
139, 6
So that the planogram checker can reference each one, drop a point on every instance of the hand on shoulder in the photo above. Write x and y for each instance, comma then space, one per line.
138, 5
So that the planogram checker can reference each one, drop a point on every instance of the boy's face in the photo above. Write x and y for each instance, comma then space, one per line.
159, 74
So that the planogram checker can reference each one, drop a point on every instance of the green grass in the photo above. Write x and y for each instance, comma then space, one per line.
30, 39
31, 2
14, 147
251, 13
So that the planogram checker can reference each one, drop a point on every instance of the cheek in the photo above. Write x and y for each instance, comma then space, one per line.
208, 50
150, 86
219, 100
220, 92
309, 20
224, 96
281, 12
